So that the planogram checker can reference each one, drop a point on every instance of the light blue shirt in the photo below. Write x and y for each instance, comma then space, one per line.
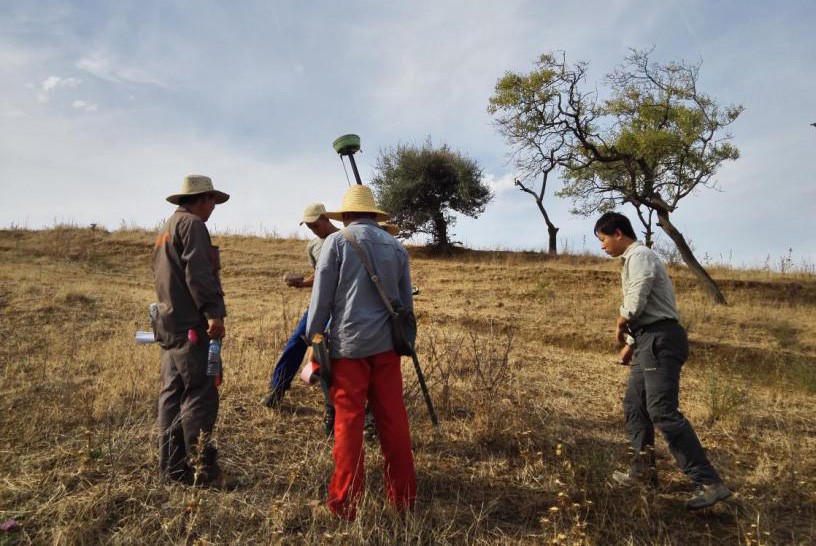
344, 292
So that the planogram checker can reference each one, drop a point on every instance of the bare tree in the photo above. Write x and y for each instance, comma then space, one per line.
651, 144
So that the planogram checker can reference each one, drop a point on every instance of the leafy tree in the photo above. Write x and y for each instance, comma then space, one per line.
651, 144
422, 186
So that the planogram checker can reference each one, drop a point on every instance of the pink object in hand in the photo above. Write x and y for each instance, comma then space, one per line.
309, 373
192, 336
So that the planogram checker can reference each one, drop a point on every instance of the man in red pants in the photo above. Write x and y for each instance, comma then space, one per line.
365, 366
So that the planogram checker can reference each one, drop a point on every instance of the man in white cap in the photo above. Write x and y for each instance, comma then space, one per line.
191, 311
365, 367
290, 359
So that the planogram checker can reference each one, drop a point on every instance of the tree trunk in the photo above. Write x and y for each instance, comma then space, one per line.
688, 257
441, 231
553, 231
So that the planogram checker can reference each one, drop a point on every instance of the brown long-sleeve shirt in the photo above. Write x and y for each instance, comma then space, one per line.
185, 268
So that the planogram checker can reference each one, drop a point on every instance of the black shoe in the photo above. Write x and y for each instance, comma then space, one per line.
708, 495
273, 398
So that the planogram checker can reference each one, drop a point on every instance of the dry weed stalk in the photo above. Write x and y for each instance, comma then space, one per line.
491, 357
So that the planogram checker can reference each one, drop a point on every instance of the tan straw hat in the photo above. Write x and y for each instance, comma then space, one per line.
312, 212
358, 198
195, 184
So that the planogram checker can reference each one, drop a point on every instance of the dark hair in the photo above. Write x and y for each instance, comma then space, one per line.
611, 221
186, 200
358, 215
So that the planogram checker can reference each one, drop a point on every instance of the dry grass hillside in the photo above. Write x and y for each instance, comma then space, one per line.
517, 349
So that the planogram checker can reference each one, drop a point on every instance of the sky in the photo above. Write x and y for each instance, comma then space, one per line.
106, 106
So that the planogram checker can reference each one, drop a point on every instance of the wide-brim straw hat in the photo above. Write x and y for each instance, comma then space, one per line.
195, 184
358, 198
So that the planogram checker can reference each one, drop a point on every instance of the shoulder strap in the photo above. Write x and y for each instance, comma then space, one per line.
373, 276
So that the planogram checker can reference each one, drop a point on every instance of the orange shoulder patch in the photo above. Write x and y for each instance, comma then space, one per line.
162, 239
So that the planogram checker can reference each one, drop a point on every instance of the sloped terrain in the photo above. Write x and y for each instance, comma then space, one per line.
517, 349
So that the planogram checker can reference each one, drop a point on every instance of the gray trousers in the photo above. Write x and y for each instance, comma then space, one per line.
652, 399
188, 407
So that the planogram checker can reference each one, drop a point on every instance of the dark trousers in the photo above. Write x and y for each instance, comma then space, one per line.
652, 399
188, 407
287, 366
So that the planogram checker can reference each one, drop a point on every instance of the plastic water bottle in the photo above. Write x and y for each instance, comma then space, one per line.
214, 360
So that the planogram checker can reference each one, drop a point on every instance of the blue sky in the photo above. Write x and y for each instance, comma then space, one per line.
105, 106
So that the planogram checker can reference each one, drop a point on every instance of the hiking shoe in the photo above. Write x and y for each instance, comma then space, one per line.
708, 495
273, 398
636, 479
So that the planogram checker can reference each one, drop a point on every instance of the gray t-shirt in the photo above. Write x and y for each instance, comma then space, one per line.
313, 249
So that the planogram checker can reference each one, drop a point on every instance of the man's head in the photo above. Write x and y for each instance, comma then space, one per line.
615, 232
314, 217
349, 217
198, 196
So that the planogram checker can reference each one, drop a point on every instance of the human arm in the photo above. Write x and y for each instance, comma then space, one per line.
640, 274
324, 286
625, 355
305, 282
200, 264
406, 291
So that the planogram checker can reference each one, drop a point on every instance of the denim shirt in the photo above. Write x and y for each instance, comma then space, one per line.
344, 292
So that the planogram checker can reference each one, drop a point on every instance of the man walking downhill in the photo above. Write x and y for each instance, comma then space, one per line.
292, 355
191, 311
365, 366
655, 343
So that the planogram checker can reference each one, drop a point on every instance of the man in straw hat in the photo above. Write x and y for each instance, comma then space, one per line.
365, 366
191, 310
286, 368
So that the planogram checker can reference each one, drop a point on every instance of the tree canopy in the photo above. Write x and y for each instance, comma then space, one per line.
422, 186
651, 143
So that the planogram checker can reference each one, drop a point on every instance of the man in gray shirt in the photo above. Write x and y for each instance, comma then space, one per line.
365, 367
655, 343
290, 359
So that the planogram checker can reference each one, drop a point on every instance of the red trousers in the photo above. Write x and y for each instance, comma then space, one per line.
377, 379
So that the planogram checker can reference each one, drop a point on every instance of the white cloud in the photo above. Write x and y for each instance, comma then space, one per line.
104, 67
52, 83
85, 106
500, 184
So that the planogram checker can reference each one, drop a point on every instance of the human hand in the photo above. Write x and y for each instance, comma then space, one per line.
621, 329
625, 355
294, 280
215, 328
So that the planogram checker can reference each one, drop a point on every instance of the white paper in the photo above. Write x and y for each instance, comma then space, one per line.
143, 337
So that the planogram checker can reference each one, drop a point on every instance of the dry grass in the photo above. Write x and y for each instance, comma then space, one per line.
528, 437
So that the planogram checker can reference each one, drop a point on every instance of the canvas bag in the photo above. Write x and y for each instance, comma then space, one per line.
402, 320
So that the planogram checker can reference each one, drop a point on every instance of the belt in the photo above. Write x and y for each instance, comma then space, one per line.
652, 326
